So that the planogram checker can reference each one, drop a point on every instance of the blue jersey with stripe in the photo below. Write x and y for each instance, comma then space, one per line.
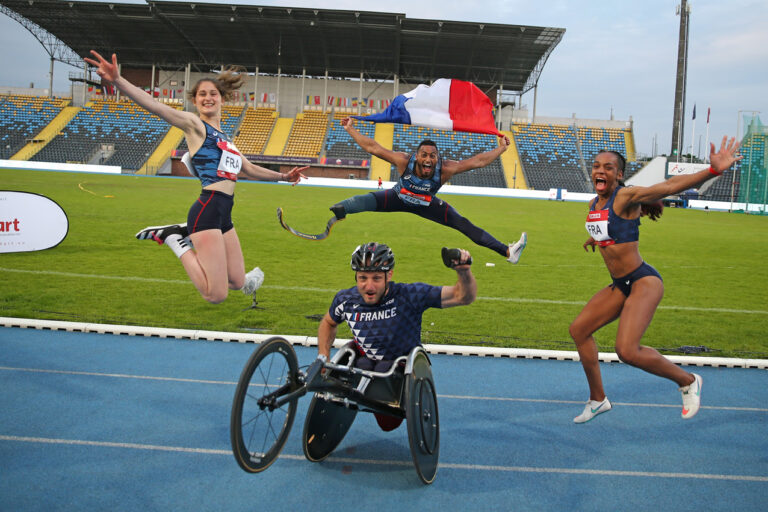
620, 230
392, 327
206, 160
412, 189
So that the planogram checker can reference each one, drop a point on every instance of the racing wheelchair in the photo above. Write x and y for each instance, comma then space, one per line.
271, 384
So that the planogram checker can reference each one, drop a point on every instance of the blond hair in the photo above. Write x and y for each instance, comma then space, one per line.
227, 82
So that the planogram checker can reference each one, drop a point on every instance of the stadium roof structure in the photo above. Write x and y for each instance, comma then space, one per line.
290, 40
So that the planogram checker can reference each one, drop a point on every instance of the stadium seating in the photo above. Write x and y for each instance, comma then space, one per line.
752, 168
550, 157
255, 130
132, 131
307, 134
23, 117
455, 146
553, 156
594, 140
339, 144
748, 185
721, 188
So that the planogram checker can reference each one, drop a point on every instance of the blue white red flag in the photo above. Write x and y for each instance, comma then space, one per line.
446, 105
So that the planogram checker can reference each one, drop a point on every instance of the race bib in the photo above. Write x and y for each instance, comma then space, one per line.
231, 161
414, 198
597, 227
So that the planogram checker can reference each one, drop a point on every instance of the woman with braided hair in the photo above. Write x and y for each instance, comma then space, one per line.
613, 225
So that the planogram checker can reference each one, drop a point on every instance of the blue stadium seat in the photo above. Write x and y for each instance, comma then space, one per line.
454, 146
22, 118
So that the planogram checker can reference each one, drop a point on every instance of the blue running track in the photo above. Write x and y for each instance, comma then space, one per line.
104, 422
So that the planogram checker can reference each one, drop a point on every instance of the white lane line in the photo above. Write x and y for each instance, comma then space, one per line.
581, 402
116, 375
455, 397
443, 465
521, 300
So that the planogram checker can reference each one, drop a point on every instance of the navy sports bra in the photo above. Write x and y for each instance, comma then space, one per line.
217, 159
607, 228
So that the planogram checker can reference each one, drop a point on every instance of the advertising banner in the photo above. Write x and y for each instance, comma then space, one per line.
30, 222
678, 168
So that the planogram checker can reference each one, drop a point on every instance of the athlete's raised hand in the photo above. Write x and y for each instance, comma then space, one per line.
106, 70
726, 157
348, 123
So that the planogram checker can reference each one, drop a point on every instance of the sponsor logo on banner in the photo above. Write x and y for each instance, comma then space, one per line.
30, 222
678, 168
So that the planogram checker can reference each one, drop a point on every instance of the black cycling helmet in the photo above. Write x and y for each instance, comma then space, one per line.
372, 257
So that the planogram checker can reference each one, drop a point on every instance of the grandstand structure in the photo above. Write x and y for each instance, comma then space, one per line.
22, 118
302, 80
747, 181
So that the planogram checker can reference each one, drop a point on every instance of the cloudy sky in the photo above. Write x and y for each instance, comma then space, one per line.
617, 56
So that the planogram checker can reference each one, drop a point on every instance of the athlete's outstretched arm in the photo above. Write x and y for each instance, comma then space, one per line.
719, 162
186, 121
371, 146
326, 334
464, 291
258, 172
451, 167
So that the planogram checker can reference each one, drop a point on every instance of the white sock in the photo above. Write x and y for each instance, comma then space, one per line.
178, 245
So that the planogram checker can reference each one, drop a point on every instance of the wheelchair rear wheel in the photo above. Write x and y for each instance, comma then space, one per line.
325, 427
259, 428
422, 418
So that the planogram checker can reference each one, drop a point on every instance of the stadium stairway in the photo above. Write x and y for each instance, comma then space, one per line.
279, 138
384, 135
163, 152
629, 143
513, 167
47, 134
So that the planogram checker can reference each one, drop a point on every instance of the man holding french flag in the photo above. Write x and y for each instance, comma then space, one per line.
446, 105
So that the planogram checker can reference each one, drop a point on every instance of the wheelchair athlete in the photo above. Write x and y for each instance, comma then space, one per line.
385, 316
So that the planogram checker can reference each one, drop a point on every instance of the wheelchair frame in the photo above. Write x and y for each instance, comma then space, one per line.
266, 398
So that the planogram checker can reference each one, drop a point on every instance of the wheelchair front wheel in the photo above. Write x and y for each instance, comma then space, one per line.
258, 428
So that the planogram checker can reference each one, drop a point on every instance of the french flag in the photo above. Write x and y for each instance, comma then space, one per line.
445, 105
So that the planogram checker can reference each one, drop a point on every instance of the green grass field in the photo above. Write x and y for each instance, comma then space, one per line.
713, 264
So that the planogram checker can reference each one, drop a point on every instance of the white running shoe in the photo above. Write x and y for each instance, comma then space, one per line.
253, 281
160, 233
691, 397
592, 409
516, 249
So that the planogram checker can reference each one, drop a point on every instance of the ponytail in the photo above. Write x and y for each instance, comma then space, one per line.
227, 82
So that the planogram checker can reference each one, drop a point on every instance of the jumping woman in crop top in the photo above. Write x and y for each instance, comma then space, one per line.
207, 244
613, 224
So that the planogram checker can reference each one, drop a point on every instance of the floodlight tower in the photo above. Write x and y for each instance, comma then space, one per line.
684, 11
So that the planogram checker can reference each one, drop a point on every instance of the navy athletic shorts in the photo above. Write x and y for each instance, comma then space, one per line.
212, 210
365, 363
